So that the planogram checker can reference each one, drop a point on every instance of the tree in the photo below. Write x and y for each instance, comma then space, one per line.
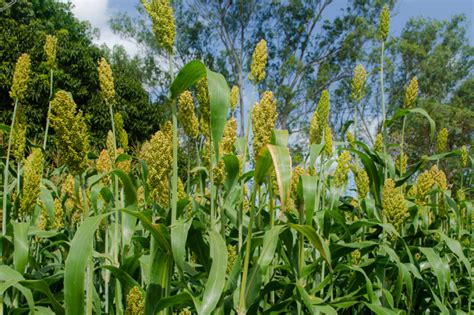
23, 28
439, 54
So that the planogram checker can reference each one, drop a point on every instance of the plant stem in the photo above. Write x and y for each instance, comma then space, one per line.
248, 248
49, 110
6, 172
174, 178
401, 146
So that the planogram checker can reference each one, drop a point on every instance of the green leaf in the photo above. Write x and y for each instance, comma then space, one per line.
456, 248
309, 185
314, 152
280, 137
219, 100
232, 169
125, 279
179, 235
263, 166
315, 239
180, 299
282, 164
74, 271
216, 281
440, 268
403, 112
191, 73
43, 287
20, 241
129, 188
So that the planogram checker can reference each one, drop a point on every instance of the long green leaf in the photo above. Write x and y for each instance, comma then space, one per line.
315, 239
191, 73
216, 281
403, 112
75, 266
20, 241
440, 268
282, 164
219, 101
309, 185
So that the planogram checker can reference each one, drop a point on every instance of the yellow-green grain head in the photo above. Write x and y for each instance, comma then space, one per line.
358, 82
259, 62
394, 207
384, 26
234, 97
442, 140
71, 132
328, 141
106, 81
163, 22
32, 173
135, 302
342, 169
320, 119
411, 93
264, 116
50, 48
21, 75
187, 116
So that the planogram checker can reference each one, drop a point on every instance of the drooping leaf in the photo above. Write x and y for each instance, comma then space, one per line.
282, 164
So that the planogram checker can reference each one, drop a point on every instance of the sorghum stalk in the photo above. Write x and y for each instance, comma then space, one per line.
243, 284
6, 173
49, 109
174, 176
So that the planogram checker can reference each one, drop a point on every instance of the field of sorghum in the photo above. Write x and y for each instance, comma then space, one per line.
352, 229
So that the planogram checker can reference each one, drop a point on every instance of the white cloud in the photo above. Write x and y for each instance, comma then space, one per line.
98, 13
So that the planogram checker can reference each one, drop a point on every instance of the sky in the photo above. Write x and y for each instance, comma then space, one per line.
98, 13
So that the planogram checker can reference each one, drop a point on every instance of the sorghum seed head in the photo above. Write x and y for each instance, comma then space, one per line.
394, 207
401, 163
49, 47
71, 132
120, 130
264, 116
358, 82
226, 145
442, 140
106, 80
320, 119
464, 154
21, 77
350, 137
234, 97
423, 185
231, 257
328, 141
204, 106
259, 62
163, 22
31, 183
378, 145
439, 177
362, 181
411, 93
186, 114
342, 169
157, 154
135, 302
384, 27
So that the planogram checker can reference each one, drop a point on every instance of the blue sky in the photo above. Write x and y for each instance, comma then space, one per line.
103, 10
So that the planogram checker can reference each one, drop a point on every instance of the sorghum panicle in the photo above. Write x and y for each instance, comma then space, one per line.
378, 145
328, 141
32, 174
401, 163
106, 80
202, 96
394, 207
384, 27
234, 97
358, 82
186, 114
464, 154
157, 154
21, 77
320, 119
439, 177
342, 169
49, 47
259, 62
411, 93
71, 132
264, 116
350, 138
163, 22
362, 181
120, 130
135, 302
231, 257
442, 140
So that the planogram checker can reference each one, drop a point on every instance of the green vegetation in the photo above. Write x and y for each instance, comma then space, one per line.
199, 220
